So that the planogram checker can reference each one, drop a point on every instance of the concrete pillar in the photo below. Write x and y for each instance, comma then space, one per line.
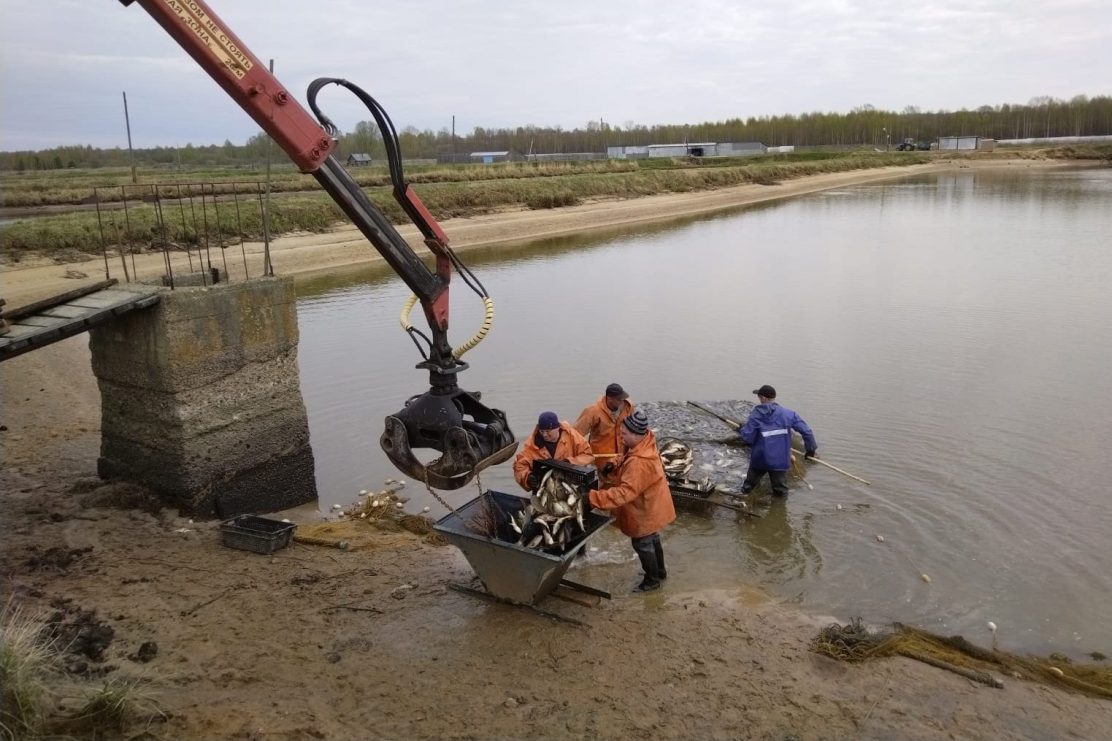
201, 399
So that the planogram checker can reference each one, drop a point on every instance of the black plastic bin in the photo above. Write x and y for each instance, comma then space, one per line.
256, 534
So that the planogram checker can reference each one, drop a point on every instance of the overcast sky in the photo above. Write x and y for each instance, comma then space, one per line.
543, 62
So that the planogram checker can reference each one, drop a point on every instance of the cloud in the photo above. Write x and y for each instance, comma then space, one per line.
64, 63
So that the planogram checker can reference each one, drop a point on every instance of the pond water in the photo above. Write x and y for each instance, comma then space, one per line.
948, 337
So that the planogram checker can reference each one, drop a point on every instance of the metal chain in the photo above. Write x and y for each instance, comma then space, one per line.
450, 508
437, 497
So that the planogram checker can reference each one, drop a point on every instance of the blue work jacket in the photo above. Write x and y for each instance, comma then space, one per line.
769, 431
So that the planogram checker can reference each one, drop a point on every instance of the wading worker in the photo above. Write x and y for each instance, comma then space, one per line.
601, 423
550, 439
768, 432
640, 499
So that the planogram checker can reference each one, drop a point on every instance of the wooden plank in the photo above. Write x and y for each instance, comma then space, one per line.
43, 321
96, 305
65, 311
19, 331
61, 298
105, 299
44, 329
569, 595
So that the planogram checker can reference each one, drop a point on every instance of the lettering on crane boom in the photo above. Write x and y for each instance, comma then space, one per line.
194, 17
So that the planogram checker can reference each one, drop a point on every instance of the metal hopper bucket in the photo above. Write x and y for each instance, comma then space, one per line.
509, 571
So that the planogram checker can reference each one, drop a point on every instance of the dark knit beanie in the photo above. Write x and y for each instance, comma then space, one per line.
637, 423
548, 421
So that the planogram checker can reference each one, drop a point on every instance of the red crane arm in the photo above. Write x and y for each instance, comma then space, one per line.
446, 418
231, 64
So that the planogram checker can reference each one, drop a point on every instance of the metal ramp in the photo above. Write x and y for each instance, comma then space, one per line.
48, 321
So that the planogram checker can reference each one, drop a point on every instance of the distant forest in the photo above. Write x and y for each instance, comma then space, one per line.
863, 126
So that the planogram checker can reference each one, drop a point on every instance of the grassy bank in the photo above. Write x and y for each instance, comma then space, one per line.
449, 191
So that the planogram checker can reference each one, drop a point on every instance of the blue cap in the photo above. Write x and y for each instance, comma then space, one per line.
548, 421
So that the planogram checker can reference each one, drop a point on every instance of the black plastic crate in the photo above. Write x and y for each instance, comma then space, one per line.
583, 478
256, 534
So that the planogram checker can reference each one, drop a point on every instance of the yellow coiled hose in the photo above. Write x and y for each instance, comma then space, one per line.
457, 353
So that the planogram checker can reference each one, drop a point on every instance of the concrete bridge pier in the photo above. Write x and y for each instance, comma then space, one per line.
201, 399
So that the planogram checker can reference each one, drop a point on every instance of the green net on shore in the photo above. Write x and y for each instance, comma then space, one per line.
854, 643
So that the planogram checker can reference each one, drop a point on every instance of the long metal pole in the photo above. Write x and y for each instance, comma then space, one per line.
100, 226
268, 266
130, 153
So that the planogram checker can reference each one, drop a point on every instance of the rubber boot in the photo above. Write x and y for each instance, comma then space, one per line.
661, 572
647, 554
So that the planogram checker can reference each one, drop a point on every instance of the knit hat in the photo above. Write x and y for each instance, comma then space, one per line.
637, 423
548, 421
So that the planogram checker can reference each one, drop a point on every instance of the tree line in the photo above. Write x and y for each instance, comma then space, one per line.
865, 125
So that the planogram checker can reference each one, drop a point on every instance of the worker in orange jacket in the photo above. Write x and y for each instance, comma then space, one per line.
551, 439
600, 423
640, 500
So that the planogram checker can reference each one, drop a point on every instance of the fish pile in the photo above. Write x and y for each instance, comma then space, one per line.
554, 516
676, 456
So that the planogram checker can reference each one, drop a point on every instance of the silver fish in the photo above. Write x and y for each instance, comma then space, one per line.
535, 541
558, 526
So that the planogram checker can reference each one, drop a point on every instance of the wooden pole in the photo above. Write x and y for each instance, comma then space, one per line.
711, 412
835, 468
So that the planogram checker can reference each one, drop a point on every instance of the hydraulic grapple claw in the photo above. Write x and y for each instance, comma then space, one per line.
468, 436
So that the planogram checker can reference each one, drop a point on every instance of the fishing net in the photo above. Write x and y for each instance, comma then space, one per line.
854, 643
696, 444
363, 525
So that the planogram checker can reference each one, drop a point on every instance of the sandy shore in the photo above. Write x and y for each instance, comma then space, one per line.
317, 643
345, 248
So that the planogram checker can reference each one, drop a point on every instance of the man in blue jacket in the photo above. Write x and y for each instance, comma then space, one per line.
769, 433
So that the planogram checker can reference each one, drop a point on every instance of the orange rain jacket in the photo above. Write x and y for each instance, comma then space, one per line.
641, 501
571, 447
602, 429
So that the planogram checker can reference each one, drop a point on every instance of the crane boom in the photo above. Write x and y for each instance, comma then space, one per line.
469, 435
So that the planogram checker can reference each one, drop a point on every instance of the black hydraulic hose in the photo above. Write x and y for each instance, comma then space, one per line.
411, 331
393, 155
385, 125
